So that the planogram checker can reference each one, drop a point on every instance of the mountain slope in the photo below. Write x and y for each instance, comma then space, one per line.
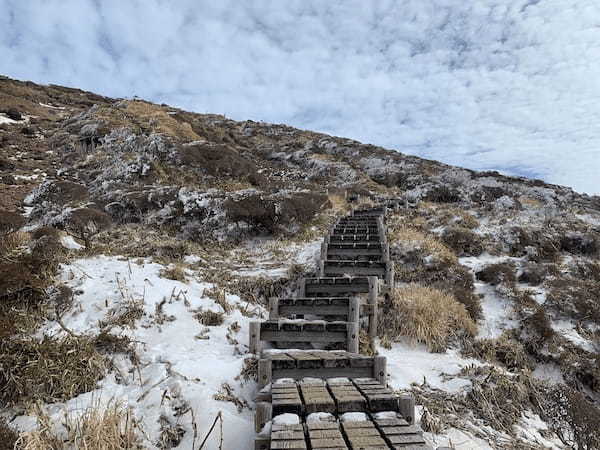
144, 238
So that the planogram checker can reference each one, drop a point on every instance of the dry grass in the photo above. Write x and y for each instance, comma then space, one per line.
218, 296
249, 370
48, 370
174, 272
427, 316
339, 205
109, 427
8, 436
210, 318
505, 350
411, 238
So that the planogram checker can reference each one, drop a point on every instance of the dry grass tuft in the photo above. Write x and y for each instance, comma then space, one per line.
109, 427
249, 370
505, 349
427, 316
174, 272
48, 370
226, 394
218, 296
412, 239
210, 318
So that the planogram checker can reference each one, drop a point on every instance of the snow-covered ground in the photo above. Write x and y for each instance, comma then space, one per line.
183, 363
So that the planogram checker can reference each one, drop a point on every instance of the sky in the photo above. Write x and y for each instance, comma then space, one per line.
507, 85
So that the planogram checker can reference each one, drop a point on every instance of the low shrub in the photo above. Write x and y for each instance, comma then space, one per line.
427, 316
506, 350
533, 274
443, 194
580, 243
85, 223
573, 417
499, 273
574, 298
463, 241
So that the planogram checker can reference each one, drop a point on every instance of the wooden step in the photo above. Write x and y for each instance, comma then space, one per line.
322, 307
298, 334
333, 268
297, 365
354, 238
370, 212
371, 431
336, 286
372, 251
355, 229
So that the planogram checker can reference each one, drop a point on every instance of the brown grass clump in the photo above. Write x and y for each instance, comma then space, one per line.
505, 350
249, 370
426, 315
463, 241
174, 272
161, 122
8, 436
407, 238
575, 298
210, 318
99, 427
48, 370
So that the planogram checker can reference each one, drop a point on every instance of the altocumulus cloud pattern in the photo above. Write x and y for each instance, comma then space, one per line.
512, 85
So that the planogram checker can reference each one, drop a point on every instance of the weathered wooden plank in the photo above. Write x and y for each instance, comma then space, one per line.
406, 406
264, 413
265, 372
405, 439
347, 397
316, 398
288, 445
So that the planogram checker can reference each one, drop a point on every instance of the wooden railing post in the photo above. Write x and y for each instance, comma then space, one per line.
254, 341
373, 296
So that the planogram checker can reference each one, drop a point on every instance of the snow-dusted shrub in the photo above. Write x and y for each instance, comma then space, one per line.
580, 243
425, 315
506, 350
536, 244
499, 273
86, 223
535, 274
463, 241
573, 298
573, 417
443, 194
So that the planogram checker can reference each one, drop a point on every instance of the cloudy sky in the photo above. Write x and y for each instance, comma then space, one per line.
511, 85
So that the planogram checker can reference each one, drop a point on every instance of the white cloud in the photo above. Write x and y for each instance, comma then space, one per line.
512, 85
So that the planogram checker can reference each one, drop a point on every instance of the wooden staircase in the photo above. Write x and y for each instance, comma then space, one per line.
310, 368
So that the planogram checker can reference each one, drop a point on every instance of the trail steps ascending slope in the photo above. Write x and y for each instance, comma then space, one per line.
318, 392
